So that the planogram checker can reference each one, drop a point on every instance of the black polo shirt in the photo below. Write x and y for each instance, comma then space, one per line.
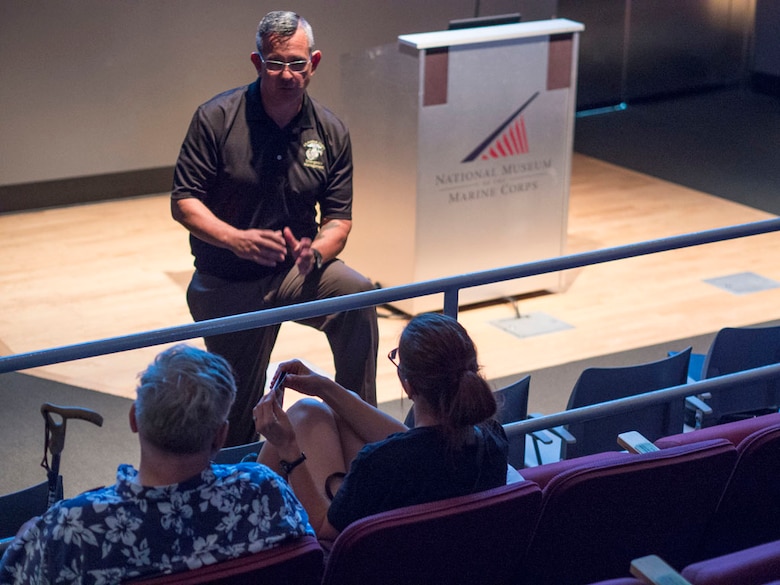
253, 174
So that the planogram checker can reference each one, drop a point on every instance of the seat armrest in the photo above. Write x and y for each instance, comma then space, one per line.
699, 408
544, 437
5, 543
541, 436
697, 403
560, 431
653, 570
635, 442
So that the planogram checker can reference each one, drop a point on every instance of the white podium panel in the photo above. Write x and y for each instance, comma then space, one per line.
462, 145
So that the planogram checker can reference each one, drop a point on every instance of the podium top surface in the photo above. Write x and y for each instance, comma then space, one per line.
486, 34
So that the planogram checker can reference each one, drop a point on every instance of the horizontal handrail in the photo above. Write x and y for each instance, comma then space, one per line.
623, 405
450, 286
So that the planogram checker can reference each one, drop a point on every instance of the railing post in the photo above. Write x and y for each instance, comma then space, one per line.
451, 302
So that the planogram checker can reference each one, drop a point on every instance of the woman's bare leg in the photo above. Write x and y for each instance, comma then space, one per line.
329, 444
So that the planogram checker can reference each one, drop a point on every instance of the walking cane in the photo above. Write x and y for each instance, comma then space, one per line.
55, 441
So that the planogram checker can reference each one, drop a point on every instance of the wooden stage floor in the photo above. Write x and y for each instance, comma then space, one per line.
96, 271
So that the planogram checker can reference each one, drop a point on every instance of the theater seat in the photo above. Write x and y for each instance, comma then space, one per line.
749, 511
596, 518
478, 538
599, 385
736, 349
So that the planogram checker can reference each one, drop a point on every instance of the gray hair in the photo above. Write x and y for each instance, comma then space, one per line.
183, 398
282, 23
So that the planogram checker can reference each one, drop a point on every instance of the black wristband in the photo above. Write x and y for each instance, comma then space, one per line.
288, 466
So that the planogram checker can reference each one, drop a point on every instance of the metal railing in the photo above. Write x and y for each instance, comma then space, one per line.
450, 287
623, 405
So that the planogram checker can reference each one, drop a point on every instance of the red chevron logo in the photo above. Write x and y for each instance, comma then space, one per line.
508, 139
513, 141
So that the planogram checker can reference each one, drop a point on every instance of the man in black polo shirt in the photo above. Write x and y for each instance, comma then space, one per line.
254, 167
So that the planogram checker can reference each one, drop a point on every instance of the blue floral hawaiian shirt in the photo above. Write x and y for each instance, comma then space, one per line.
128, 530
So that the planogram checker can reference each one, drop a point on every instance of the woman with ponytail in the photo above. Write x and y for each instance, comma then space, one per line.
346, 459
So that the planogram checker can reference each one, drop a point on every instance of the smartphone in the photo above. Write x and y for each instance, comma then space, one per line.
278, 388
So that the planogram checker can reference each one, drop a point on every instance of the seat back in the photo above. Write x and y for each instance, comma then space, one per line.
734, 431
752, 566
597, 518
749, 511
235, 454
542, 474
18, 507
298, 562
597, 385
736, 349
512, 403
478, 538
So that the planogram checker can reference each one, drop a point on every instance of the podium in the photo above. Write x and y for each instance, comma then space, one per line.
462, 144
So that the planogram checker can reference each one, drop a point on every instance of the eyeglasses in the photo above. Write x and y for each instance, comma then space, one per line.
392, 356
294, 66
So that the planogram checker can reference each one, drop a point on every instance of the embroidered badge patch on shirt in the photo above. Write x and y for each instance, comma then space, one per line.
314, 149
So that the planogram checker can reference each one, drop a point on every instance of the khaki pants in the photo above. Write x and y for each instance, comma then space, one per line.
352, 335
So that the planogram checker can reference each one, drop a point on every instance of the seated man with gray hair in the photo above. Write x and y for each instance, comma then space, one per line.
177, 511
